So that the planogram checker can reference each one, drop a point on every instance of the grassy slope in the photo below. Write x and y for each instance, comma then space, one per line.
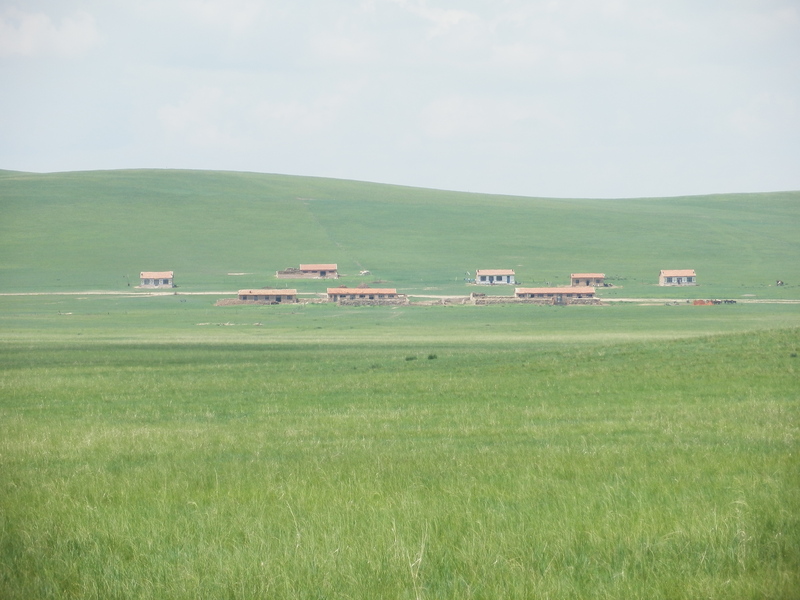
97, 230
163, 447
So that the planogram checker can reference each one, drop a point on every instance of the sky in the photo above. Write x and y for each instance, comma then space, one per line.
580, 98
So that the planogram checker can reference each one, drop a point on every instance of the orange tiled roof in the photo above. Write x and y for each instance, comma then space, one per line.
678, 272
155, 275
589, 275
332, 267
494, 272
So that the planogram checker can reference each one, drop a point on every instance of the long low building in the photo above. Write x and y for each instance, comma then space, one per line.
269, 296
677, 277
592, 279
493, 276
156, 279
344, 294
557, 295
310, 271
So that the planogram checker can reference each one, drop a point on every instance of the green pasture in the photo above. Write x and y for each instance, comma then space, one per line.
226, 231
236, 464
195, 318
160, 446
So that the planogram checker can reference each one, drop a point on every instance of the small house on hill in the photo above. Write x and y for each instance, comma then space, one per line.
315, 271
592, 279
677, 277
156, 279
364, 295
493, 276
557, 295
269, 296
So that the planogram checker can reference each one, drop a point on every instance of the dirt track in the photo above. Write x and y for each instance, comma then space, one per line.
147, 294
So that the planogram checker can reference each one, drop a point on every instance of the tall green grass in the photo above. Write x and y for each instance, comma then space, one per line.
603, 470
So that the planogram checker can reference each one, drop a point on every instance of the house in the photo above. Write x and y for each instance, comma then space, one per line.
492, 276
156, 279
364, 295
557, 295
320, 271
269, 296
592, 279
677, 277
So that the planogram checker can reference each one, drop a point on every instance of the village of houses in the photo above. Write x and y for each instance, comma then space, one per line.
580, 291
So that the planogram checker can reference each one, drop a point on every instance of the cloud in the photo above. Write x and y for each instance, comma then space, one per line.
237, 16
464, 117
765, 114
230, 116
202, 120
442, 20
35, 34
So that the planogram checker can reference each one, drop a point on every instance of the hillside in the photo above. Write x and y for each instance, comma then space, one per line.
97, 230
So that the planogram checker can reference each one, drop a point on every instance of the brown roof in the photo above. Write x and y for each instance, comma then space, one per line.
590, 275
494, 272
678, 272
155, 275
366, 291
583, 289
272, 292
332, 267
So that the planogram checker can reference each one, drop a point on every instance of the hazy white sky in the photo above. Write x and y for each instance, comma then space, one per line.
592, 98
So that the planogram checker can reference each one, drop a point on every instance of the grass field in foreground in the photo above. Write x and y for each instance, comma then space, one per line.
644, 469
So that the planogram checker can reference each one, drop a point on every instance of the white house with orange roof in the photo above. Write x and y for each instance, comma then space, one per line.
156, 279
677, 277
494, 276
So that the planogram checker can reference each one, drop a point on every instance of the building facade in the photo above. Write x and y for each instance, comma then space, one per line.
677, 277
310, 271
494, 276
363, 295
557, 295
156, 279
269, 296
584, 279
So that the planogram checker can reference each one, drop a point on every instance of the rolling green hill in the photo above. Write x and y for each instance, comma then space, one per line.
97, 230
164, 446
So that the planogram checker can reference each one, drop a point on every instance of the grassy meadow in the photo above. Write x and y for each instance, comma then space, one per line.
98, 230
643, 469
159, 446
